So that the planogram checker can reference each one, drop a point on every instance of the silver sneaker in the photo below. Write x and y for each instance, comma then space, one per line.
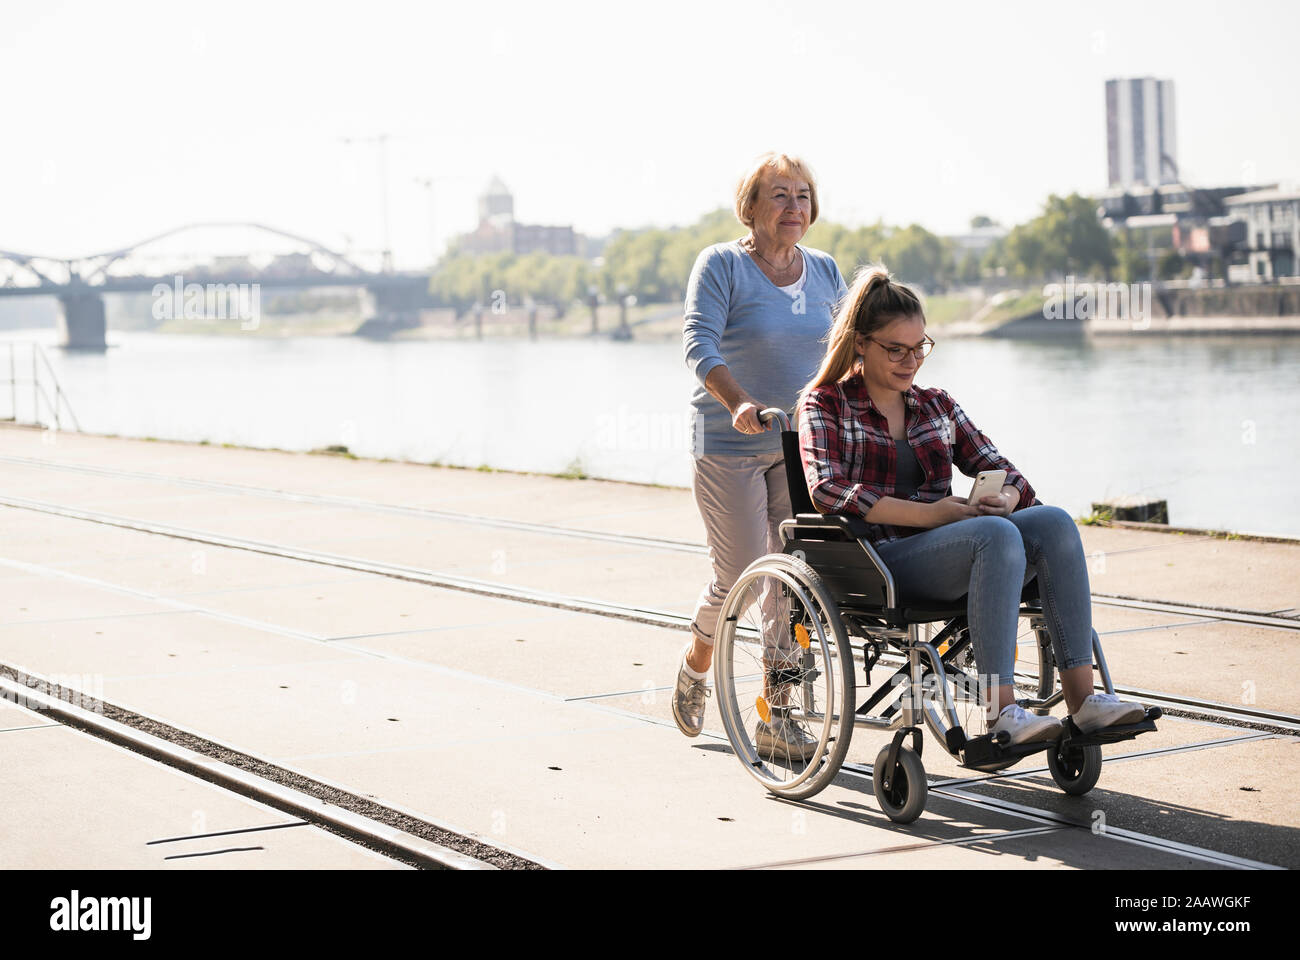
783, 737
688, 700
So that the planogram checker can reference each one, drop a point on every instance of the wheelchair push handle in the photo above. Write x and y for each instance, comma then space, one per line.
769, 413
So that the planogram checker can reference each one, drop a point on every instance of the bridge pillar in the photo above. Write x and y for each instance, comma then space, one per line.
396, 308
81, 321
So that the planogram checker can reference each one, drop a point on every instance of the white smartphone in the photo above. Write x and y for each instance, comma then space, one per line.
988, 484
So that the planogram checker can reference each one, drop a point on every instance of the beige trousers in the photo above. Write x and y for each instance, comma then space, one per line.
742, 501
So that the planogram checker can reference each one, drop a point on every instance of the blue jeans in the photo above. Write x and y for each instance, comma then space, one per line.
991, 559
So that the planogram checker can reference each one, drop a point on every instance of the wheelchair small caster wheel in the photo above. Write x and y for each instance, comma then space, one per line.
904, 800
1075, 769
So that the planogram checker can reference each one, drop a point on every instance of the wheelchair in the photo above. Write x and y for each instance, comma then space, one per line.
798, 627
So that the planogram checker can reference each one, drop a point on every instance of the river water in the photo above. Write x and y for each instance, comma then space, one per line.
1207, 423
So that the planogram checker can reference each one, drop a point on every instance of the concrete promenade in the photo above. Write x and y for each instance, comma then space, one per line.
543, 730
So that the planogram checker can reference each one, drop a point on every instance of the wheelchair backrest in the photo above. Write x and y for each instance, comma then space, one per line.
800, 501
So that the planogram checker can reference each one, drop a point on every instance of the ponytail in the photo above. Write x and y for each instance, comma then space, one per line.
875, 300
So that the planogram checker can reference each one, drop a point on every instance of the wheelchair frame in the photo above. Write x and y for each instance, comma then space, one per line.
828, 562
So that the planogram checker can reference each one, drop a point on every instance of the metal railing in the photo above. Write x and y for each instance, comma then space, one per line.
1218, 283
47, 394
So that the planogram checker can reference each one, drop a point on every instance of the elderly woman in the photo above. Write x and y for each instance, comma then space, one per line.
758, 310
879, 448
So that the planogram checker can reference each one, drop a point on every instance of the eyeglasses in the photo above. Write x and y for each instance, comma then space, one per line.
896, 353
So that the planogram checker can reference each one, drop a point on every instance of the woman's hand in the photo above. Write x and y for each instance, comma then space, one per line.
999, 504
950, 510
745, 418
742, 407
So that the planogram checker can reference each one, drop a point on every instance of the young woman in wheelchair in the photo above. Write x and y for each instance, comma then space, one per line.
876, 446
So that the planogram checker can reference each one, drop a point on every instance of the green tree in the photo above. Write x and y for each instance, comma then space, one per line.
850, 248
1073, 239
1066, 238
1022, 250
1132, 260
655, 264
917, 256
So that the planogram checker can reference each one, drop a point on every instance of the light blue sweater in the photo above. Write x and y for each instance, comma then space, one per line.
771, 342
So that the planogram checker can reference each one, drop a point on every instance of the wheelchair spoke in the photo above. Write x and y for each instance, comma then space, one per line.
781, 677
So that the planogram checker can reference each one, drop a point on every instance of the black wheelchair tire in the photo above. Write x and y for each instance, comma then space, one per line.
1077, 772
905, 799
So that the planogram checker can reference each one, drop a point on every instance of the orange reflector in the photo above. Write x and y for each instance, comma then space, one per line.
764, 710
801, 634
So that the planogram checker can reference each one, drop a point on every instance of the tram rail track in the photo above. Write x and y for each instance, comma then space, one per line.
1175, 704
1182, 608
402, 835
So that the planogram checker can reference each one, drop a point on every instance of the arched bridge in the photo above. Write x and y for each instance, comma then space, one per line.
81, 283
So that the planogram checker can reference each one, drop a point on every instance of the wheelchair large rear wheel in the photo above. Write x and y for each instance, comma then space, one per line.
781, 658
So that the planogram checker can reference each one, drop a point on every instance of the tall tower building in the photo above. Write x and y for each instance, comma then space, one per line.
1141, 145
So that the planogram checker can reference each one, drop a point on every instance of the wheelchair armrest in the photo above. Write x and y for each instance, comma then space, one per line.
839, 525
838, 548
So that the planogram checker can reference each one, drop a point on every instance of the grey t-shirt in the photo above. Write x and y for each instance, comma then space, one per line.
910, 475
771, 341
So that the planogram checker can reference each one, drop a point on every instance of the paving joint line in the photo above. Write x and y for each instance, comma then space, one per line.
227, 833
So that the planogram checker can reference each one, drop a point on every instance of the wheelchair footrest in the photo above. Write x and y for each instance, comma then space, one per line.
1127, 731
984, 750
955, 740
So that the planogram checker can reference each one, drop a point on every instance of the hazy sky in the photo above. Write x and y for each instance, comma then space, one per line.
123, 120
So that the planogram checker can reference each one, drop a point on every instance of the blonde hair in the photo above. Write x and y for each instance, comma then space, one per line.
874, 301
780, 164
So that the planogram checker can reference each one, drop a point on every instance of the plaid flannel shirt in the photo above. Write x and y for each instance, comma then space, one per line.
850, 460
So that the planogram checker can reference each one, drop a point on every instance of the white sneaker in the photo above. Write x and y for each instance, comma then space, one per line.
1026, 727
1106, 710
